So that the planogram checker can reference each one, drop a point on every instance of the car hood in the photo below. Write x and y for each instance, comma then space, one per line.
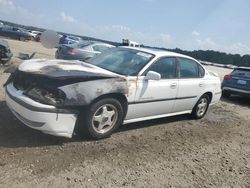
64, 69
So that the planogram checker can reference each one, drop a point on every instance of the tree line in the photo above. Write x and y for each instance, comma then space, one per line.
216, 57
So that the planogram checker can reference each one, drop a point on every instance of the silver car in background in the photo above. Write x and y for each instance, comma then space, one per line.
81, 51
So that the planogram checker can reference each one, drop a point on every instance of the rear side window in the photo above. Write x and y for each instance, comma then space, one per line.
201, 71
190, 69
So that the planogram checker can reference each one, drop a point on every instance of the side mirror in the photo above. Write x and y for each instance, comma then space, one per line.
152, 75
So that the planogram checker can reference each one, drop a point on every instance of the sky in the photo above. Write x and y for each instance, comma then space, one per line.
222, 25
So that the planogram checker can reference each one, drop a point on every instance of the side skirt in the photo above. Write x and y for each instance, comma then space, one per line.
156, 117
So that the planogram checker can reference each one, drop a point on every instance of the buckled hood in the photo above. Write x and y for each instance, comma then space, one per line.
61, 68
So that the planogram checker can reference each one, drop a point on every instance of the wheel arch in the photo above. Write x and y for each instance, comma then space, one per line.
118, 96
210, 95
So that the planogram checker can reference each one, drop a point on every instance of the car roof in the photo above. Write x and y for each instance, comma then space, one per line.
158, 52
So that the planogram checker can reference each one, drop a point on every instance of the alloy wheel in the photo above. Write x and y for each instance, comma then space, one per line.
104, 118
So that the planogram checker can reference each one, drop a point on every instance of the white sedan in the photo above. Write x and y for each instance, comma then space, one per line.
120, 86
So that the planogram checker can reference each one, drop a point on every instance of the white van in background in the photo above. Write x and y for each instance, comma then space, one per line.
127, 42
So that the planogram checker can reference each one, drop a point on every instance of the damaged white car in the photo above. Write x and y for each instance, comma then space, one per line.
120, 86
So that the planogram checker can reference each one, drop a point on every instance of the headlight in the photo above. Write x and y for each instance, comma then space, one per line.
46, 96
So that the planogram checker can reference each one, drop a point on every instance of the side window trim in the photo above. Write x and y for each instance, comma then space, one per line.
158, 59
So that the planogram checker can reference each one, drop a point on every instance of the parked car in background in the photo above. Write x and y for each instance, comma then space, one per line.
38, 37
15, 33
69, 39
34, 34
120, 86
81, 51
127, 42
5, 53
238, 82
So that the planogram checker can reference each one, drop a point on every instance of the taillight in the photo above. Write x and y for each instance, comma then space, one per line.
228, 77
73, 51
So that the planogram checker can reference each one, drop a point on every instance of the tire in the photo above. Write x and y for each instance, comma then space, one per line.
226, 94
22, 39
201, 107
102, 118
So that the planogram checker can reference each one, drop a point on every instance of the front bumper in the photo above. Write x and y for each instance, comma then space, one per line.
45, 118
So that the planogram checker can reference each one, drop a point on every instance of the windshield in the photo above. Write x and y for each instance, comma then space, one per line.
122, 61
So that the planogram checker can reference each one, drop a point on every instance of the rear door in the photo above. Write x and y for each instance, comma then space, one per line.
191, 84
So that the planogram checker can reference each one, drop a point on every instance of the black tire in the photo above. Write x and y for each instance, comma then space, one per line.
89, 127
226, 94
199, 111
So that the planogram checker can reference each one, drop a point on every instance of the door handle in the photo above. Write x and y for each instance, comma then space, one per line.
173, 85
201, 84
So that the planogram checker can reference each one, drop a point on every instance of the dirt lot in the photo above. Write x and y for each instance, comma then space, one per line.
170, 152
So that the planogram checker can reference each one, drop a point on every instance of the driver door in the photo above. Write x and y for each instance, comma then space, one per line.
156, 97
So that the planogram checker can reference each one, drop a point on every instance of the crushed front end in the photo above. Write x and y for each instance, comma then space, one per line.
38, 103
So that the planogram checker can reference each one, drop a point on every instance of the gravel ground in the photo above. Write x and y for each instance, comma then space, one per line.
169, 152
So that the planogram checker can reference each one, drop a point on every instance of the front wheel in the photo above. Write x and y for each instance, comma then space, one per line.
102, 118
201, 107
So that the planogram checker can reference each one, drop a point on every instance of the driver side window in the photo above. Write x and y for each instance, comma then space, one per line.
166, 67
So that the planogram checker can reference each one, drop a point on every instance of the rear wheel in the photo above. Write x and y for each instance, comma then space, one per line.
102, 118
201, 107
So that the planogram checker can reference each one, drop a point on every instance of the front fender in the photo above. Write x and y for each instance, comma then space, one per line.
83, 93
